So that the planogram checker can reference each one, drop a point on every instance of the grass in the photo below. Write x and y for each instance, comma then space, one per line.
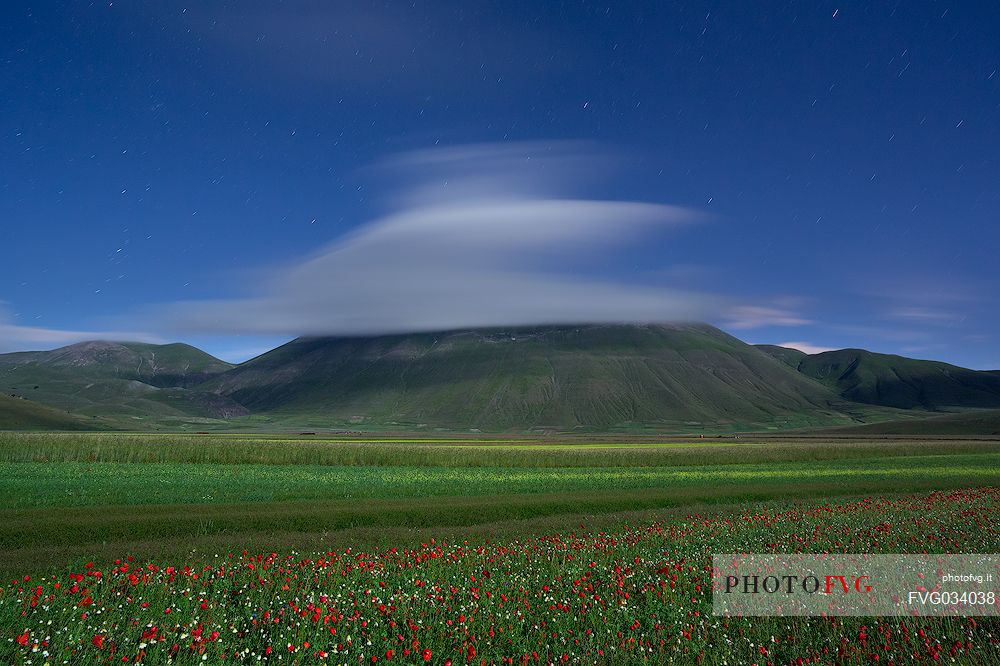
42, 485
534, 511
67, 497
17, 413
453, 452
978, 422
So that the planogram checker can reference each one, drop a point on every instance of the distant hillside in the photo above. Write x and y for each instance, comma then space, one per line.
593, 377
787, 355
977, 423
129, 382
895, 381
20, 414
174, 364
623, 378
905, 383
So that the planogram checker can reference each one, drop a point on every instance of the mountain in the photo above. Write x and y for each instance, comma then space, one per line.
569, 377
174, 364
129, 382
675, 378
896, 381
787, 355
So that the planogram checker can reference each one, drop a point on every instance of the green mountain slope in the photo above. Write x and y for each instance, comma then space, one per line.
562, 378
19, 414
131, 383
174, 364
787, 355
905, 383
594, 377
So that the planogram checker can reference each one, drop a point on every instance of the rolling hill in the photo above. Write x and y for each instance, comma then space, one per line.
896, 381
580, 377
174, 364
129, 383
20, 414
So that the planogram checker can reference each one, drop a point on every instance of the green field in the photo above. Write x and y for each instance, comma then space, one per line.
41, 485
464, 452
88, 502
80, 496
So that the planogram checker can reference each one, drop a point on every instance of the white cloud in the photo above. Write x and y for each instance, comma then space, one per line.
923, 314
806, 347
16, 337
744, 317
478, 235
482, 238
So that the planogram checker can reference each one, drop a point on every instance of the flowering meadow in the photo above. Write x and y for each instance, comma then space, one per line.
639, 593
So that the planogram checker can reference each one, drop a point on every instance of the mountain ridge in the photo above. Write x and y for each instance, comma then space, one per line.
562, 377
587, 377
127, 383
896, 381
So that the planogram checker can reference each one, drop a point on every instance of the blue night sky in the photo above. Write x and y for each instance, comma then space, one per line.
233, 175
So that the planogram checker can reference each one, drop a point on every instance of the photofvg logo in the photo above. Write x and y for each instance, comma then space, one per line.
830, 584
856, 584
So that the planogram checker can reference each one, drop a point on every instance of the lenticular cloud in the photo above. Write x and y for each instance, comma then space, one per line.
480, 236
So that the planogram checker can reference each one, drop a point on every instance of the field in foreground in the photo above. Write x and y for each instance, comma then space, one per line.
183, 549
639, 593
